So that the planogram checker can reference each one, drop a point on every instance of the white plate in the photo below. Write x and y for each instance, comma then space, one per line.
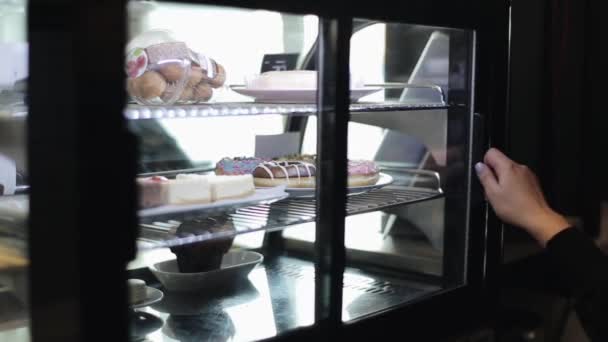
295, 95
236, 266
152, 296
260, 196
383, 181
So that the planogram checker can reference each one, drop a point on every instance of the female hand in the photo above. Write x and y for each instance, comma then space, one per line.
515, 194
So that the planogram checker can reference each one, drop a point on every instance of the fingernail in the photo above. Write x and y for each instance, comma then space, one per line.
479, 167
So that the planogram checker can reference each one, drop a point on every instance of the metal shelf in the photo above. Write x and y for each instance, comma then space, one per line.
156, 232
138, 112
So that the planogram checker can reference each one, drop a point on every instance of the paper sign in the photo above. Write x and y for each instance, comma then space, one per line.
271, 146
279, 62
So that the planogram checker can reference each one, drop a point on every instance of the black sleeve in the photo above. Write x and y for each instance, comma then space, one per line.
583, 269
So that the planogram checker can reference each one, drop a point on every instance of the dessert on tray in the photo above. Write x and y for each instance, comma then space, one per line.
192, 189
289, 79
227, 187
152, 191
205, 255
189, 189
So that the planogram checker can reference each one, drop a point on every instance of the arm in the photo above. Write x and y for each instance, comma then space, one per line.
583, 271
515, 194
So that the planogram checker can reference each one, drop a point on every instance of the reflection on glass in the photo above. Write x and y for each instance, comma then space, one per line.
273, 299
420, 150
14, 310
236, 38
183, 249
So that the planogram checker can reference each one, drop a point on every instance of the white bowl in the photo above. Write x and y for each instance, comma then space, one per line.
235, 267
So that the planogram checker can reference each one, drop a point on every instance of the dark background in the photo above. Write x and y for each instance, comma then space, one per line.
557, 127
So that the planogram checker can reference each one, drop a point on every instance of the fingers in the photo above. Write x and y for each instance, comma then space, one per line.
487, 178
498, 161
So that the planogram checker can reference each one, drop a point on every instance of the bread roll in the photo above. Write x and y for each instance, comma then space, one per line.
150, 85
172, 72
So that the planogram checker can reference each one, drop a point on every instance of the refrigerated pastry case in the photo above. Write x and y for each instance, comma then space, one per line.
406, 257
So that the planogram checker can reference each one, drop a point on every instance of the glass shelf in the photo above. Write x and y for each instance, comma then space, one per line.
138, 112
280, 295
156, 232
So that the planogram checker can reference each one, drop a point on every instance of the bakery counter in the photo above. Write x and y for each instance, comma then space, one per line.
159, 231
136, 112
276, 297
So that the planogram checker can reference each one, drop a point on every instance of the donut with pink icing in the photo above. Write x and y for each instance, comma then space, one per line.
237, 166
362, 173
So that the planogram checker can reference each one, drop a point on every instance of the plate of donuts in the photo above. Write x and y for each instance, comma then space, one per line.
299, 177
383, 180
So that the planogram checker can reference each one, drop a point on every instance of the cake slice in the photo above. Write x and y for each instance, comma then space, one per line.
226, 187
189, 189
152, 191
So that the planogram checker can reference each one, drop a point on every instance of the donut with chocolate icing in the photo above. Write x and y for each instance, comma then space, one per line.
293, 174
301, 174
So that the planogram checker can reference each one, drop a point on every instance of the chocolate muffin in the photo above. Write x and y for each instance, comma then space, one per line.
205, 255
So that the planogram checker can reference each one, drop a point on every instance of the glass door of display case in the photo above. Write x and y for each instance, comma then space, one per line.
14, 207
256, 170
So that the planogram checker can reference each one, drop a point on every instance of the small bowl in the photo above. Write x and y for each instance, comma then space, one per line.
235, 267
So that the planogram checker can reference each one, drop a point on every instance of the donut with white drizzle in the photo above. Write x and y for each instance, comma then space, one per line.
301, 174
293, 174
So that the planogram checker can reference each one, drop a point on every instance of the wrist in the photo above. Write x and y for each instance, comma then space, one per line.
549, 224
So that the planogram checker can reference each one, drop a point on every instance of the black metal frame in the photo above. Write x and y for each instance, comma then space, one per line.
333, 103
79, 146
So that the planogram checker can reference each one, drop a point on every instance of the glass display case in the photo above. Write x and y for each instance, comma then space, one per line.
260, 171
14, 263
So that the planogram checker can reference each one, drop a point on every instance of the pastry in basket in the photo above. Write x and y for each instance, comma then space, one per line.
237, 166
164, 71
206, 255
